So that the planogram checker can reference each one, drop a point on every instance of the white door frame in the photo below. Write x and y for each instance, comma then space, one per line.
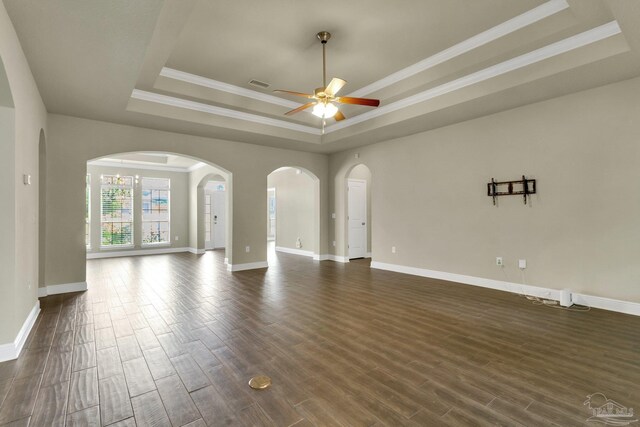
365, 238
272, 238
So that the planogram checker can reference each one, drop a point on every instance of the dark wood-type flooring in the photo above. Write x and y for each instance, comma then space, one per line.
171, 340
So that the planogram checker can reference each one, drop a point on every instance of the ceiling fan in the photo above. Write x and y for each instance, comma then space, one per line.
324, 97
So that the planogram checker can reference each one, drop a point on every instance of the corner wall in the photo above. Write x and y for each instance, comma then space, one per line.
18, 287
580, 231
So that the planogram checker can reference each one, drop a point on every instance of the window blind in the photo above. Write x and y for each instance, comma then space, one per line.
116, 196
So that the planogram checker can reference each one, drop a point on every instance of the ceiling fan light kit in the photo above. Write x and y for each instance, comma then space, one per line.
324, 111
325, 96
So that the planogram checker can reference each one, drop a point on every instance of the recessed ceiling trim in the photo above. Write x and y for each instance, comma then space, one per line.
226, 87
219, 111
574, 42
530, 17
117, 164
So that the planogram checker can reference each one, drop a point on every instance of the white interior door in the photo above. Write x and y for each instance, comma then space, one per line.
218, 218
357, 218
208, 219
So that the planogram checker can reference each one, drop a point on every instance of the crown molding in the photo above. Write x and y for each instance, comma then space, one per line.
574, 42
220, 111
226, 87
514, 24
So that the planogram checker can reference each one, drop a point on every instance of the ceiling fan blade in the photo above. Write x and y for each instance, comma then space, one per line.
358, 101
339, 116
306, 95
334, 86
300, 108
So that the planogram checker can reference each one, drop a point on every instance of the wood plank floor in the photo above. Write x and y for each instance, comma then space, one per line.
171, 340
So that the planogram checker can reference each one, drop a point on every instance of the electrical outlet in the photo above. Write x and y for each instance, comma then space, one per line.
499, 262
247, 248
522, 264
393, 249
334, 243
333, 215
177, 238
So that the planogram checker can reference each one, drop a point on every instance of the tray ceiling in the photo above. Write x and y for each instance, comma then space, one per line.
185, 66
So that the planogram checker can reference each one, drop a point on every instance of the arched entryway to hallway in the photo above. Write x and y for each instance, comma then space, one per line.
293, 211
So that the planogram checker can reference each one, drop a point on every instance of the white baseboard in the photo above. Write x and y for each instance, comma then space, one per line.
196, 251
247, 266
12, 350
323, 257
138, 252
294, 251
500, 285
603, 303
338, 258
619, 306
62, 289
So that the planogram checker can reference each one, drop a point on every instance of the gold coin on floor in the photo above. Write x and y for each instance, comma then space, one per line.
260, 382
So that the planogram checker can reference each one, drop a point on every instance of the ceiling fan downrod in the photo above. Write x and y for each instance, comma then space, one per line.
324, 37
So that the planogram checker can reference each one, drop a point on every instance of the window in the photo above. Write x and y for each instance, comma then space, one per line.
116, 196
155, 210
87, 213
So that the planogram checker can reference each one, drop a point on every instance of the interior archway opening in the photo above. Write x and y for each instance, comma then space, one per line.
149, 203
293, 213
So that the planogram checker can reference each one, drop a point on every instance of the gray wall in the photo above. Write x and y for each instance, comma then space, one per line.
581, 231
74, 141
179, 206
19, 281
296, 209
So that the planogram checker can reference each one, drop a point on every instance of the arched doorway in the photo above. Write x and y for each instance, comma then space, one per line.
141, 203
213, 210
293, 211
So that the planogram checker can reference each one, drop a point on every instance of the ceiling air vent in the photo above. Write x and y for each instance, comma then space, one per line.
258, 83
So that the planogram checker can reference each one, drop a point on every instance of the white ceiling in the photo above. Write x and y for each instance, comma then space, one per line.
184, 66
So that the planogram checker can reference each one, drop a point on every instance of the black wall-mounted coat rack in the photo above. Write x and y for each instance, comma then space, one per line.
522, 187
